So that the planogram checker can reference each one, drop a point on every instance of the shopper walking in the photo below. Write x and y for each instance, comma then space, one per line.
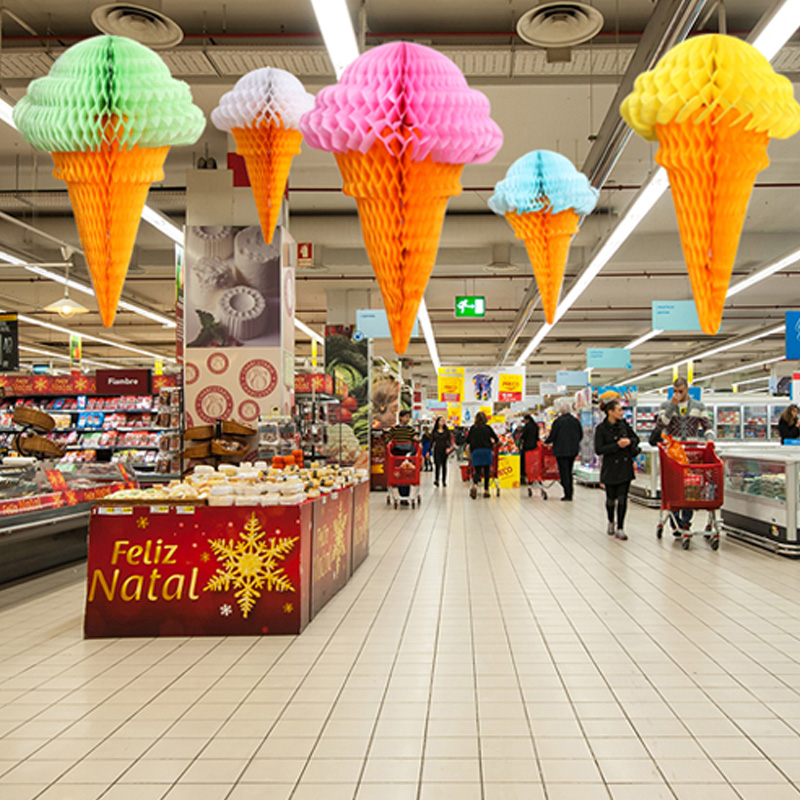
565, 436
684, 419
617, 444
402, 439
426, 449
460, 438
528, 440
442, 446
481, 440
788, 426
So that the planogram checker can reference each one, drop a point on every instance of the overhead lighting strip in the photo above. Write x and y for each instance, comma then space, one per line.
777, 29
337, 31
46, 354
310, 332
741, 368
427, 331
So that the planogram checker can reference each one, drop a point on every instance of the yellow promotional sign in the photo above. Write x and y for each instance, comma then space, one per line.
510, 387
454, 413
690, 372
451, 384
508, 471
488, 410
497, 419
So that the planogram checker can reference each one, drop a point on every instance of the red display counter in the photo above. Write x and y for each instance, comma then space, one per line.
182, 570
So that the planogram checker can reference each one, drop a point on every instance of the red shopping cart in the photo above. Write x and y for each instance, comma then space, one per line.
467, 471
696, 485
540, 467
404, 470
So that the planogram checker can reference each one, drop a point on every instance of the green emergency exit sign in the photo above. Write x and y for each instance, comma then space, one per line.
470, 306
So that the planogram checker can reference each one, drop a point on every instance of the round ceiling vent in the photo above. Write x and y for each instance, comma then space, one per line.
143, 25
501, 268
557, 25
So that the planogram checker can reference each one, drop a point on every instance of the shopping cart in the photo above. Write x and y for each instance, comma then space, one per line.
467, 470
540, 467
696, 485
403, 470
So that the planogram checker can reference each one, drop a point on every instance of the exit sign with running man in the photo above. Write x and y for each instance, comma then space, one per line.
470, 306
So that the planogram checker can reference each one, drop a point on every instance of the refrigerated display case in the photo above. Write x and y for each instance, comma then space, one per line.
761, 498
728, 421
315, 413
756, 421
587, 465
775, 412
644, 420
646, 485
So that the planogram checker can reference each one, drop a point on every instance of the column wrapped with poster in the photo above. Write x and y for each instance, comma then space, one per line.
347, 357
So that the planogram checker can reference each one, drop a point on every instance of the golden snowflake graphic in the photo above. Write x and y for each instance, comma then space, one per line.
339, 543
250, 564
288, 608
142, 522
205, 557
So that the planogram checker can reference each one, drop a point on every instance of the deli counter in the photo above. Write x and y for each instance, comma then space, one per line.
44, 511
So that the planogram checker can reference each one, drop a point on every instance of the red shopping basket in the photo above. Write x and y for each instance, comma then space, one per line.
540, 467
698, 484
403, 470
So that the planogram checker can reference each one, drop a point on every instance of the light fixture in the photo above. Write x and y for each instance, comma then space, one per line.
45, 353
646, 338
310, 332
6, 113
427, 330
162, 223
775, 28
337, 31
66, 307
741, 368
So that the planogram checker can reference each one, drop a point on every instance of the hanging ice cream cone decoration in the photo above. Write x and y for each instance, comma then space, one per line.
712, 103
108, 112
543, 197
402, 123
262, 112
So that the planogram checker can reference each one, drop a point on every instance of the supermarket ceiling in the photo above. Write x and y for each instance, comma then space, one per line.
539, 104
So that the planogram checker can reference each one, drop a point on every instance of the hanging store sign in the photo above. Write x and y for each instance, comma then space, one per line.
470, 306
450, 382
608, 358
675, 315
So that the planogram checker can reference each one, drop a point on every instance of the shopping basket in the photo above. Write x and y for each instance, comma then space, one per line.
697, 485
540, 467
467, 470
403, 470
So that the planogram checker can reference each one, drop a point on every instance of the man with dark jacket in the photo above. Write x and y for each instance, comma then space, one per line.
565, 436
528, 440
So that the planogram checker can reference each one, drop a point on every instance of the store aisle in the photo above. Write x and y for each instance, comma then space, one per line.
496, 649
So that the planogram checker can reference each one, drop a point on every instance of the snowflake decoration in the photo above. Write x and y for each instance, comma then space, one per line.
250, 564
142, 522
288, 608
339, 543
226, 610
205, 557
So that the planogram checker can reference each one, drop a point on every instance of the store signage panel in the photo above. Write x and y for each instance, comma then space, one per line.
793, 335
373, 323
305, 254
123, 381
511, 386
451, 384
675, 315
608, 358
333, 538
572, 377
470, 306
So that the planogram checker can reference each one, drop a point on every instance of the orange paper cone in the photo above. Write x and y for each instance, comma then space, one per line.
712, 169
108, 190
547, 238
268, 151
401, 205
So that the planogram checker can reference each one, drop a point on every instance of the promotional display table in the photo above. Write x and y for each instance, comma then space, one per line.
183, 570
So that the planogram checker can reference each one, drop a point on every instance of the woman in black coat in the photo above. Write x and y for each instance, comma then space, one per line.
442, 446
617, 443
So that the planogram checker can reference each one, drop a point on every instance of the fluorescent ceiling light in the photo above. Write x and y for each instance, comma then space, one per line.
776, 266
336, 27
646, 338
162, 223
11, 259
6, 112
778, 29
427, 330
741, 368
714, 351
301, 326
90, 338
66, 358
753, 380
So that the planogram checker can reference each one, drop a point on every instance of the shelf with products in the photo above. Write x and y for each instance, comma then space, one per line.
315, 414
278, 436
729, 422
756, 419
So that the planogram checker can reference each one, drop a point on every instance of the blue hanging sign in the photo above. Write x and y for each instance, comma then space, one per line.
608, 358
572, 377
372, 323
675, 315
793, 335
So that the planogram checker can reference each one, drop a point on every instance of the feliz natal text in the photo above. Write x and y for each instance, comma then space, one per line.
133, 587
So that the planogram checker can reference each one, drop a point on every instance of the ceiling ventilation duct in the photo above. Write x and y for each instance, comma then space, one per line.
501, 261
558, 27
144, 25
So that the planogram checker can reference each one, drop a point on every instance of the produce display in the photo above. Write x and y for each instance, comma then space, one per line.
256, 484
712, 102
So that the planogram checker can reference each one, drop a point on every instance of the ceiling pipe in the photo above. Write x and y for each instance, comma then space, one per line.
670, 23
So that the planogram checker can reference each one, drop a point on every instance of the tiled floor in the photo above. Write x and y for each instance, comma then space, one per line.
494, 649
